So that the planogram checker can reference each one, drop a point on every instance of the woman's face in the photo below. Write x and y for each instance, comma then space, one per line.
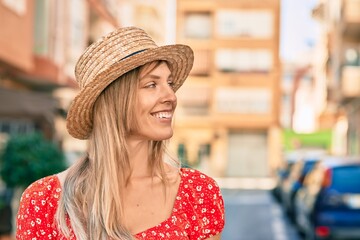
156, 103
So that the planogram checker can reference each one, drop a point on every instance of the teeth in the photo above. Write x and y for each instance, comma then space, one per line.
162, 115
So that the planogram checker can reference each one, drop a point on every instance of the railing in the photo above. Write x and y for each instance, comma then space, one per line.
350, 79
351, 11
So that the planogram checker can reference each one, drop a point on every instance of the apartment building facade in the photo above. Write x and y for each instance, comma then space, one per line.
228, 114
39, 42
339, 70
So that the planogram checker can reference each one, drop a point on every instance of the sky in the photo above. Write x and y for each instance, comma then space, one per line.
298, 31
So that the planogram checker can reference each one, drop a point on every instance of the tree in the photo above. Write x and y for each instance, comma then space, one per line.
25, 159
29, 157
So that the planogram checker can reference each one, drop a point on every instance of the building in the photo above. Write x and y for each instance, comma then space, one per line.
39, 43
228, 112
339, 70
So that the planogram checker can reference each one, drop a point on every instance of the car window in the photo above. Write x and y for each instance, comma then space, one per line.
314, 176
313, 180
295, 172
308, 166
289, 166
346, 179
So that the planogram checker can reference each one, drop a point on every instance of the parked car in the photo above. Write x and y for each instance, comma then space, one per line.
283, 171
328, 205
294, 181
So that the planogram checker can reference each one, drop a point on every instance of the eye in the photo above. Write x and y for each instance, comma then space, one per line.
150, 85
171, 84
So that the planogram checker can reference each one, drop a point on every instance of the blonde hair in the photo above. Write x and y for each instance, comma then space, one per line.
93, 187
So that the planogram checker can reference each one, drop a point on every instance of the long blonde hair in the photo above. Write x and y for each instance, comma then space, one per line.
93, 187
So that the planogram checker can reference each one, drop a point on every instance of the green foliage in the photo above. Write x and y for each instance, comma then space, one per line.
321, 139
27, 158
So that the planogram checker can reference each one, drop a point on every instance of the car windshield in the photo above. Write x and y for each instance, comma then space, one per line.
346, 179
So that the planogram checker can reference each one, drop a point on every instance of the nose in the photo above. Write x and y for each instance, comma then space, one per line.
168, 94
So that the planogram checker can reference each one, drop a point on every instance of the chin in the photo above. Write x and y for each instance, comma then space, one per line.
162, 137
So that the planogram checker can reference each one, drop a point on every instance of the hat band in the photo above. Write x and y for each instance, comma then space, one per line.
132, 54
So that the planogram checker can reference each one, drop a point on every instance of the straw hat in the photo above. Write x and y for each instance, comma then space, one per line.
112, 56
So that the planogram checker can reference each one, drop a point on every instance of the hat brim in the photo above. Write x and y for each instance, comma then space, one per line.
79, 119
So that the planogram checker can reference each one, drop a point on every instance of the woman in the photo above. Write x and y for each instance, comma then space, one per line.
127, 187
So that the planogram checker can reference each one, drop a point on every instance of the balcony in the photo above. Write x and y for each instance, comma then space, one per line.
194, 100
350, 82
351, 11
351, 18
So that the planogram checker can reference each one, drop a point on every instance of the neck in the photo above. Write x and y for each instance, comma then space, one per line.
139, 158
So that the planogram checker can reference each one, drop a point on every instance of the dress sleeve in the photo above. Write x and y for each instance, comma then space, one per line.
37, 208
209, 206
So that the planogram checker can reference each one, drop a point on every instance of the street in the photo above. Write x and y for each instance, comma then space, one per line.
255, 215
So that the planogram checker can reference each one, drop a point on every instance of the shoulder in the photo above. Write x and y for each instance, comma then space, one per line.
207, 205
37, 208
41, 194
43, 188
198, 179
200, 185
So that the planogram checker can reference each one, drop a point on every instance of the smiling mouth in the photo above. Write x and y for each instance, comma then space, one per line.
162, 115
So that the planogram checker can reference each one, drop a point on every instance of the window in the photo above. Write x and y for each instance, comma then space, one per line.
243, 60
18, 6
243, 101
41, 27
351, 57
244, 23
198, 25
195, 99
346, 179
16, 126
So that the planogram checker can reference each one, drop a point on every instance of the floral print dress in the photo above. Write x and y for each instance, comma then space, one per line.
198, 211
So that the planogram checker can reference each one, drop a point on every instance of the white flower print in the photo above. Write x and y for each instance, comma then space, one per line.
194, 215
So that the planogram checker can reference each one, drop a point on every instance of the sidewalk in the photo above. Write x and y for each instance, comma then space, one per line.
246, 183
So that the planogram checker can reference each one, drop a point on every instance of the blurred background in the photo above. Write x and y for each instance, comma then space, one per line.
274, 82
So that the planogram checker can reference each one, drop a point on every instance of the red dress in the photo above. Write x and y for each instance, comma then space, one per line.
198, 211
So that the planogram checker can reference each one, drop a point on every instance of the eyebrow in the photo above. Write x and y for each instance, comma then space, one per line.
151, 76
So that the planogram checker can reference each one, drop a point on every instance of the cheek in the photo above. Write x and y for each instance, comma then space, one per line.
143, 107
